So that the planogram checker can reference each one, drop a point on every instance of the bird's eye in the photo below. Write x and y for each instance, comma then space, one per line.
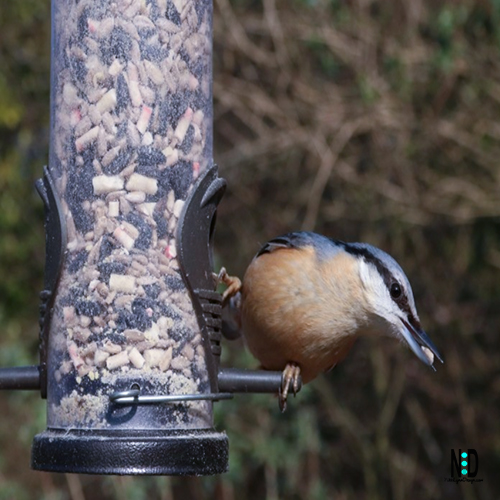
396, 290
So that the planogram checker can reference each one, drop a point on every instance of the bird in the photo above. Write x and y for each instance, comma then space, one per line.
305, 298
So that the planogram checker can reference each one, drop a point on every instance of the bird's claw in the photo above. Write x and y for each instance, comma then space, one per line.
290, 380
232, 282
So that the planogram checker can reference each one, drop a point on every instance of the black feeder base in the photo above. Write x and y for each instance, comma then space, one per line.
188, 452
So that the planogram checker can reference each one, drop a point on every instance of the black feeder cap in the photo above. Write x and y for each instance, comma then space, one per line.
188, 452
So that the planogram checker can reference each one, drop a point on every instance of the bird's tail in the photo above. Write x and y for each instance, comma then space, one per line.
231, 318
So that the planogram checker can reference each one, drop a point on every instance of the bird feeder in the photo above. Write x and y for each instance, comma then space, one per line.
130, 322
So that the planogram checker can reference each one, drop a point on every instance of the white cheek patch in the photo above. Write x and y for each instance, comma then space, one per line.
376, 291
364, 274
371, 279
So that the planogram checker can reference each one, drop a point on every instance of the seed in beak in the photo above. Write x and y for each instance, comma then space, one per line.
428, 354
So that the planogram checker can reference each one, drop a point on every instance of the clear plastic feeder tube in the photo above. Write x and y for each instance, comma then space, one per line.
131, 130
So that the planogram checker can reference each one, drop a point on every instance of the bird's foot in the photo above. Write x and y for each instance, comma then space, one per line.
290, 380
232, 282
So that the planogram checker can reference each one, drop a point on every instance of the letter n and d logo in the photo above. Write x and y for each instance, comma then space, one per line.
462, 464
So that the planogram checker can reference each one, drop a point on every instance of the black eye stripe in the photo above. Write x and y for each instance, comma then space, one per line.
402, 299
370, 258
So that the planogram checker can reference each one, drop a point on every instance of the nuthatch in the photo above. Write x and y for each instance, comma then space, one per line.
306, 298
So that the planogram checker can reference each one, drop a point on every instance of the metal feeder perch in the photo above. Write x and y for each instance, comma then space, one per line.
130, 322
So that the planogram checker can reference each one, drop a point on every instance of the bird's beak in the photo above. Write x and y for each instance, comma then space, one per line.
420, 344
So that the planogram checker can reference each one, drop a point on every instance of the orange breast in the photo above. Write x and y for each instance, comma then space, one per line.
289, 314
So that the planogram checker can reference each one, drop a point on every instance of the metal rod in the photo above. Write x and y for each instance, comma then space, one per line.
133, 397
230, 380
235, 380
20, 378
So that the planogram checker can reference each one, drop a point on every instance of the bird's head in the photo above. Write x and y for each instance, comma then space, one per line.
390, 299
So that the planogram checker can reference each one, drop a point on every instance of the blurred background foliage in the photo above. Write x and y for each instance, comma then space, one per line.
367, 120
